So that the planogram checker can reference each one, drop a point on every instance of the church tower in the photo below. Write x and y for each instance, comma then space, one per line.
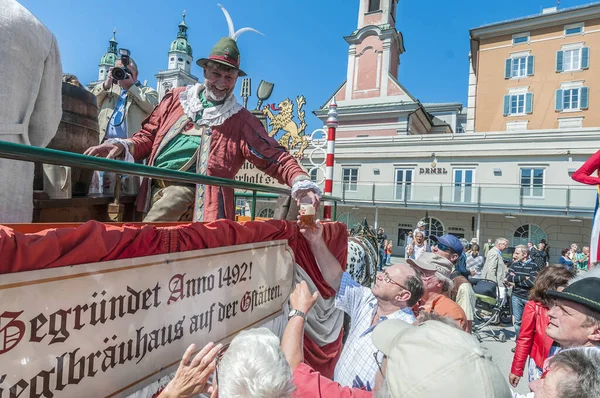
374, 53
108, 60
372, 102
180, 59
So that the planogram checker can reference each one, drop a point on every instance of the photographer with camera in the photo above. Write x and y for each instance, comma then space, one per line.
123, 103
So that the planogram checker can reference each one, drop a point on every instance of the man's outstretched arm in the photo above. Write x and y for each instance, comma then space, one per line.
328, 264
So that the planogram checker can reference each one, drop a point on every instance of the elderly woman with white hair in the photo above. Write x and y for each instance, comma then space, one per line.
573, 373
252, 366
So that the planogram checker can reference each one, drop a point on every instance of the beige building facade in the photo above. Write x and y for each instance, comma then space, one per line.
539, 72
486, 173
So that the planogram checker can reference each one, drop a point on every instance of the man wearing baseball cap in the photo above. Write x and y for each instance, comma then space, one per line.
575, 317
435, 272
433, 359
447, 246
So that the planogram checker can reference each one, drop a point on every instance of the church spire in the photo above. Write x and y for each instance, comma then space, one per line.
182, 28
112, 43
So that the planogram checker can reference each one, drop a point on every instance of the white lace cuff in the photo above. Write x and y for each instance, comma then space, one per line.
305, 185
128, 157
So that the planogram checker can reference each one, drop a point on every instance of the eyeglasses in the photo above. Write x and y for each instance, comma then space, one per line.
387, 279
378, 362
220, 354
443, 247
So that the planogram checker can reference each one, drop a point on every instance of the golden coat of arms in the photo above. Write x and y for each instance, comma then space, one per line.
284, 129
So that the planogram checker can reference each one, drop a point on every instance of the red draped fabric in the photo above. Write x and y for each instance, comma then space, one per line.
94, 242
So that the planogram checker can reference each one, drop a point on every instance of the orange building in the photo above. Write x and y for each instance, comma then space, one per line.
537, 72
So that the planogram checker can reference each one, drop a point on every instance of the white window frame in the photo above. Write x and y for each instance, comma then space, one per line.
404, 183
576, 85
570, 92
572, 47
531, 184
351, 186
519, 36
510, 113
524, 69
574, 26
462, 184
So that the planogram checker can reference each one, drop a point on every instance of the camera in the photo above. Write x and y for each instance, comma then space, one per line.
120, 73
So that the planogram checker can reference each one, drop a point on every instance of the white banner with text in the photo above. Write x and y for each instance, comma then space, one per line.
108, 329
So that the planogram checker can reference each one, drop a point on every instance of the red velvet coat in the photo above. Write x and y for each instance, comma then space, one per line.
532, 341
241, 137
584, 173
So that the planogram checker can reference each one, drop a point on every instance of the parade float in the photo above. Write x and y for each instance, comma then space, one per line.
93, 300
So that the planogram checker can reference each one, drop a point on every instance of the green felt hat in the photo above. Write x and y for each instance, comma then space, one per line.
225, 52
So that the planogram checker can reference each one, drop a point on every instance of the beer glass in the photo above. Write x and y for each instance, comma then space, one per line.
307, 213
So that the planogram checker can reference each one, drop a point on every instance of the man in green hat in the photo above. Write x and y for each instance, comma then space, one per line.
204, 129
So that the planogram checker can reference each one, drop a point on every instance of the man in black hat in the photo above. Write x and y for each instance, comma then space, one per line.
575, 317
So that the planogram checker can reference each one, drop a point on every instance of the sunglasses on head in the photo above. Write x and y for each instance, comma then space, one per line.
443, 247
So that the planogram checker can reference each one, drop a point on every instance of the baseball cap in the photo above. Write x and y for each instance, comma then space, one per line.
432, 262
431, 360
451, 241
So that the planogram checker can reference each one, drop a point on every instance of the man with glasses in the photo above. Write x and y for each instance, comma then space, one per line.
435, 272
393, 294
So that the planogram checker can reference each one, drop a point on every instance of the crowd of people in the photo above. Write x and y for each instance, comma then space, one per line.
409, 337
410, 333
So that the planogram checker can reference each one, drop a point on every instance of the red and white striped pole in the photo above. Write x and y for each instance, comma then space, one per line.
332, 123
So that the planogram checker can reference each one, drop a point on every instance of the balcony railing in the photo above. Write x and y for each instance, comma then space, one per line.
577, 200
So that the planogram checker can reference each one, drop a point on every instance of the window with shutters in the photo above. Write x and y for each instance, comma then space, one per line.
572, 97
519, 67
518, 103
572, 58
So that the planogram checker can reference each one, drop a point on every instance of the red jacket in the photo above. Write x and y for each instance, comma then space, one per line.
532, 341
241, 137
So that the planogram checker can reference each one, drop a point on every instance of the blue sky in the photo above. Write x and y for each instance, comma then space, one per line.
303, 50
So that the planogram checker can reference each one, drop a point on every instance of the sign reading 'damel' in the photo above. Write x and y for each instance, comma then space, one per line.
432, 170
108, 329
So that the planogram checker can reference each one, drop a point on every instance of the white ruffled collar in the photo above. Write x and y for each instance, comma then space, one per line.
213, 116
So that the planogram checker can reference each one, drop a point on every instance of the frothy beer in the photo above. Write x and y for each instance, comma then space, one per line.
307, 214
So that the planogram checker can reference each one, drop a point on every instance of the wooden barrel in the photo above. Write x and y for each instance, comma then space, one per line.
78, 130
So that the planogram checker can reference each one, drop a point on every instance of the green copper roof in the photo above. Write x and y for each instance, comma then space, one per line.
181, 44
111, 53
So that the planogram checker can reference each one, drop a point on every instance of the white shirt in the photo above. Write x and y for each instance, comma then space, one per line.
357, 366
